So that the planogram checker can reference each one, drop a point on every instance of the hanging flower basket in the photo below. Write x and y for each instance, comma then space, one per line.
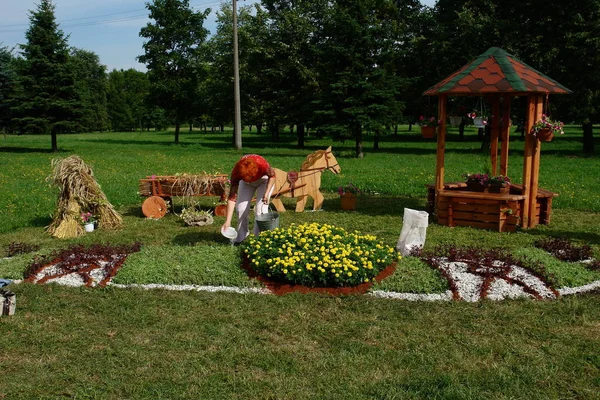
479, 122
545, 135
455, 120
545, 129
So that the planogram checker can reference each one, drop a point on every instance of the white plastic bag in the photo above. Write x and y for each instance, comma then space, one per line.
414, 230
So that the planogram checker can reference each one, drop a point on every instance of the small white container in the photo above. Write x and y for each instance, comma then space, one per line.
230, 233
89, 227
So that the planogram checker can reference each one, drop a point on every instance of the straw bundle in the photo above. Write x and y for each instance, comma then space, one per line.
79, 192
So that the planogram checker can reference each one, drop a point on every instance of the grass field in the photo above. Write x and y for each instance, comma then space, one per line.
110, 343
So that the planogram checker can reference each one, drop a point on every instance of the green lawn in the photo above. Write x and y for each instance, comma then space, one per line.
111, 343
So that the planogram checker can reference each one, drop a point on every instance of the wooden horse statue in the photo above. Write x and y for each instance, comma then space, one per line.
306, 182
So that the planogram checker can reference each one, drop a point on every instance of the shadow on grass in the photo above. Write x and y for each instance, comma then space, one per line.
378, 205
133, 211
23, 150
584, 237
40, 221
193, 238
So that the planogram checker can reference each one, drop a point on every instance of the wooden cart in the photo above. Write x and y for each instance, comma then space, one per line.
160, 189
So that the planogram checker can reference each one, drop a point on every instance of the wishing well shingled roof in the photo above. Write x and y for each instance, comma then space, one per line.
496, 71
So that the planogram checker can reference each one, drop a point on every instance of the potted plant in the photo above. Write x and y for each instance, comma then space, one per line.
487, 183
194, 216
498, 184
221, 209
545, 129
348, 195
476, 182
480, 118
428, 126
88, 220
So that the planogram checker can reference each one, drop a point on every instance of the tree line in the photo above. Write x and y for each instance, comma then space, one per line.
347, 69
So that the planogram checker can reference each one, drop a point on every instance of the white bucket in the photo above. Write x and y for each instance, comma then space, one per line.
89, 227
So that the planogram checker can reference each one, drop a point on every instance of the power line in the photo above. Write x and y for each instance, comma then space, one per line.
101, 22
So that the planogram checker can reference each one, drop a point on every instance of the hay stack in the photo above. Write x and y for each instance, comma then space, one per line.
79, 192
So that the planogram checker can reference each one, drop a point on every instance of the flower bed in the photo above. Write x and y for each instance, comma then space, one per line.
474, 274
77, 265
318, 255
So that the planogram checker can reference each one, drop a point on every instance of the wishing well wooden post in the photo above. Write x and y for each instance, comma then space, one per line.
495, 121
531, 161
505, 135
441, 144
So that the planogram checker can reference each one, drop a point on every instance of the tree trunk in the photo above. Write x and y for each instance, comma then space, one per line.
588, 138
410, 124
191, 127
259, 128
358, 136
395, 129
487, 138
300, 131
177, 132
376, 141
461, 129
54, 142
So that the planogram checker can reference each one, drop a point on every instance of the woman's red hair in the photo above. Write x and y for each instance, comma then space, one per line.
246, 169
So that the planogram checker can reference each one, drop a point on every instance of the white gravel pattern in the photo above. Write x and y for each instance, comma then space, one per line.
446, 296
579, 289
196, 288
468, 284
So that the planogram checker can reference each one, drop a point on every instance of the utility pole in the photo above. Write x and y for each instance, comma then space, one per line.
237, 127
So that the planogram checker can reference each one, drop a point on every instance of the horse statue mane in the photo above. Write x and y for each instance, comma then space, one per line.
311, 159
304, 183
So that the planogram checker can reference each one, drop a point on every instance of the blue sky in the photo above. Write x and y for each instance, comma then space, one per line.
109, 28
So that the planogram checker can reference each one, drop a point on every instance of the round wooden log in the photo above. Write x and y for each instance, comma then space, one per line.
154, 207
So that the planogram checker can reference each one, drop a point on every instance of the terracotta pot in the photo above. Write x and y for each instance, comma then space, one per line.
348, 201
428, 131
545, 135
497, 188
475, 186
221, 210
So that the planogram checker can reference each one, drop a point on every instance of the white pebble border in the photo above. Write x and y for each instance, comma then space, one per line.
195, 288
502, 290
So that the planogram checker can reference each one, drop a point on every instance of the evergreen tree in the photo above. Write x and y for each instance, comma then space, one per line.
173, 56
290, 77
91, 83
127, 99
357, 69
220, 82
7, 81
48, 101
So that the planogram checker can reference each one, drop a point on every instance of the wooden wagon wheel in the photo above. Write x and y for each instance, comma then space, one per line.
154, 207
